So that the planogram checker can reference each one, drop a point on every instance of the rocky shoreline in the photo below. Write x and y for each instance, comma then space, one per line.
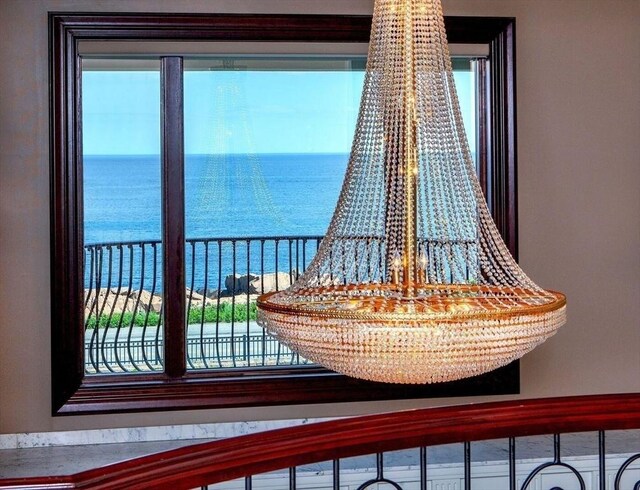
238, 288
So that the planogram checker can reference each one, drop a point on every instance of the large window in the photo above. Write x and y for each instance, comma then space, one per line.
188, 181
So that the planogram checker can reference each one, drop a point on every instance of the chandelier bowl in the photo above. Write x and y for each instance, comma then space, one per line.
442, 333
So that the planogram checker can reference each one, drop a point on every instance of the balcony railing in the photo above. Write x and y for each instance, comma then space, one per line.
224, 276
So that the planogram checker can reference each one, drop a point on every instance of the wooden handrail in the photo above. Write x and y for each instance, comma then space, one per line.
228, 459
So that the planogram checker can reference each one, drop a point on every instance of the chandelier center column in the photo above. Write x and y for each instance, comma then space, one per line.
410, 152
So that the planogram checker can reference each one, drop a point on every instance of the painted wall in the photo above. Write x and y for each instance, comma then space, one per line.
579, 170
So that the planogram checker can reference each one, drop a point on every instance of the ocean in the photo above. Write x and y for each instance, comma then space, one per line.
227, 196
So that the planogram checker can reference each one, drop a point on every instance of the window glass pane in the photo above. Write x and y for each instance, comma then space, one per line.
267, 141
466, 84
122, 215
262, 136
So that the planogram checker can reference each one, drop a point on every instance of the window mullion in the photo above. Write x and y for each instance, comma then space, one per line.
173, 215
483, 123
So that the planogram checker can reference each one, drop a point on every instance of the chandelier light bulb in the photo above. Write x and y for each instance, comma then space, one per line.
412, 282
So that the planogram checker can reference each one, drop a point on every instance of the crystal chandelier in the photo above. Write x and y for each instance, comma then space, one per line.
412, 282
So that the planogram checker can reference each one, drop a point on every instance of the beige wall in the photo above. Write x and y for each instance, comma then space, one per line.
579, 171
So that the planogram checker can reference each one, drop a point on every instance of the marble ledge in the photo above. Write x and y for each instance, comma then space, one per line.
143, 434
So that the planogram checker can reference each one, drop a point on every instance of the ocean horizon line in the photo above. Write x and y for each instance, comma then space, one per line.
129, 155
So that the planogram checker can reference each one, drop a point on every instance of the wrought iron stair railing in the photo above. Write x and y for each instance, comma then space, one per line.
245, 457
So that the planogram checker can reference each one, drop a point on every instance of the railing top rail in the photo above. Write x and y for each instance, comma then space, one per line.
268, 238
209, 239
233, 458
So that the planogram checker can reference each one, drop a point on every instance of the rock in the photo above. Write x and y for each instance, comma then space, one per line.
255, 284
240, 299
149, 302
194, 295
267, 283
238, 284
108, 301
209, 293
196, 300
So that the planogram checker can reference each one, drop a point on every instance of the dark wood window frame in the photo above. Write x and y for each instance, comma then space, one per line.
175, 388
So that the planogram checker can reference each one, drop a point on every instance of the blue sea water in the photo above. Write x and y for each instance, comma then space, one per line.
226, 195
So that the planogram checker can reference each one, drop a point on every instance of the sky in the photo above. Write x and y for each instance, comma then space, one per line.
233, 111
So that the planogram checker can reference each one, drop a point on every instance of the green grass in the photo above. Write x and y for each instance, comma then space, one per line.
211, 314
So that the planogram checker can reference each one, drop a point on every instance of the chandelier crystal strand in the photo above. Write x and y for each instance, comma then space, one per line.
412, 282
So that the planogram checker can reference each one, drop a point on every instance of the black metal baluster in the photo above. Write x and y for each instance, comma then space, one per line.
344, 263
450, 260
557, 461
101, 263
355, 261
336, 474
292, 478
602, 477
304, 254
293, 276
380, 478
429, 268
299, 257
159, 350
97, 256
203, 311
277, 251
233, 304
106, 297
370, 259
190, 300
218, 303
264, 331
248, 483
423, 468
100, 307
279, 346
247, 345
124, 309
381, 260
330, 265
512, 463
87, 291
156, 340
152, 294
134, 359
440, 272
467, 261
467, 465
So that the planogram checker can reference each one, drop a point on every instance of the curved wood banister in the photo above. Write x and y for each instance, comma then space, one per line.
228, 459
